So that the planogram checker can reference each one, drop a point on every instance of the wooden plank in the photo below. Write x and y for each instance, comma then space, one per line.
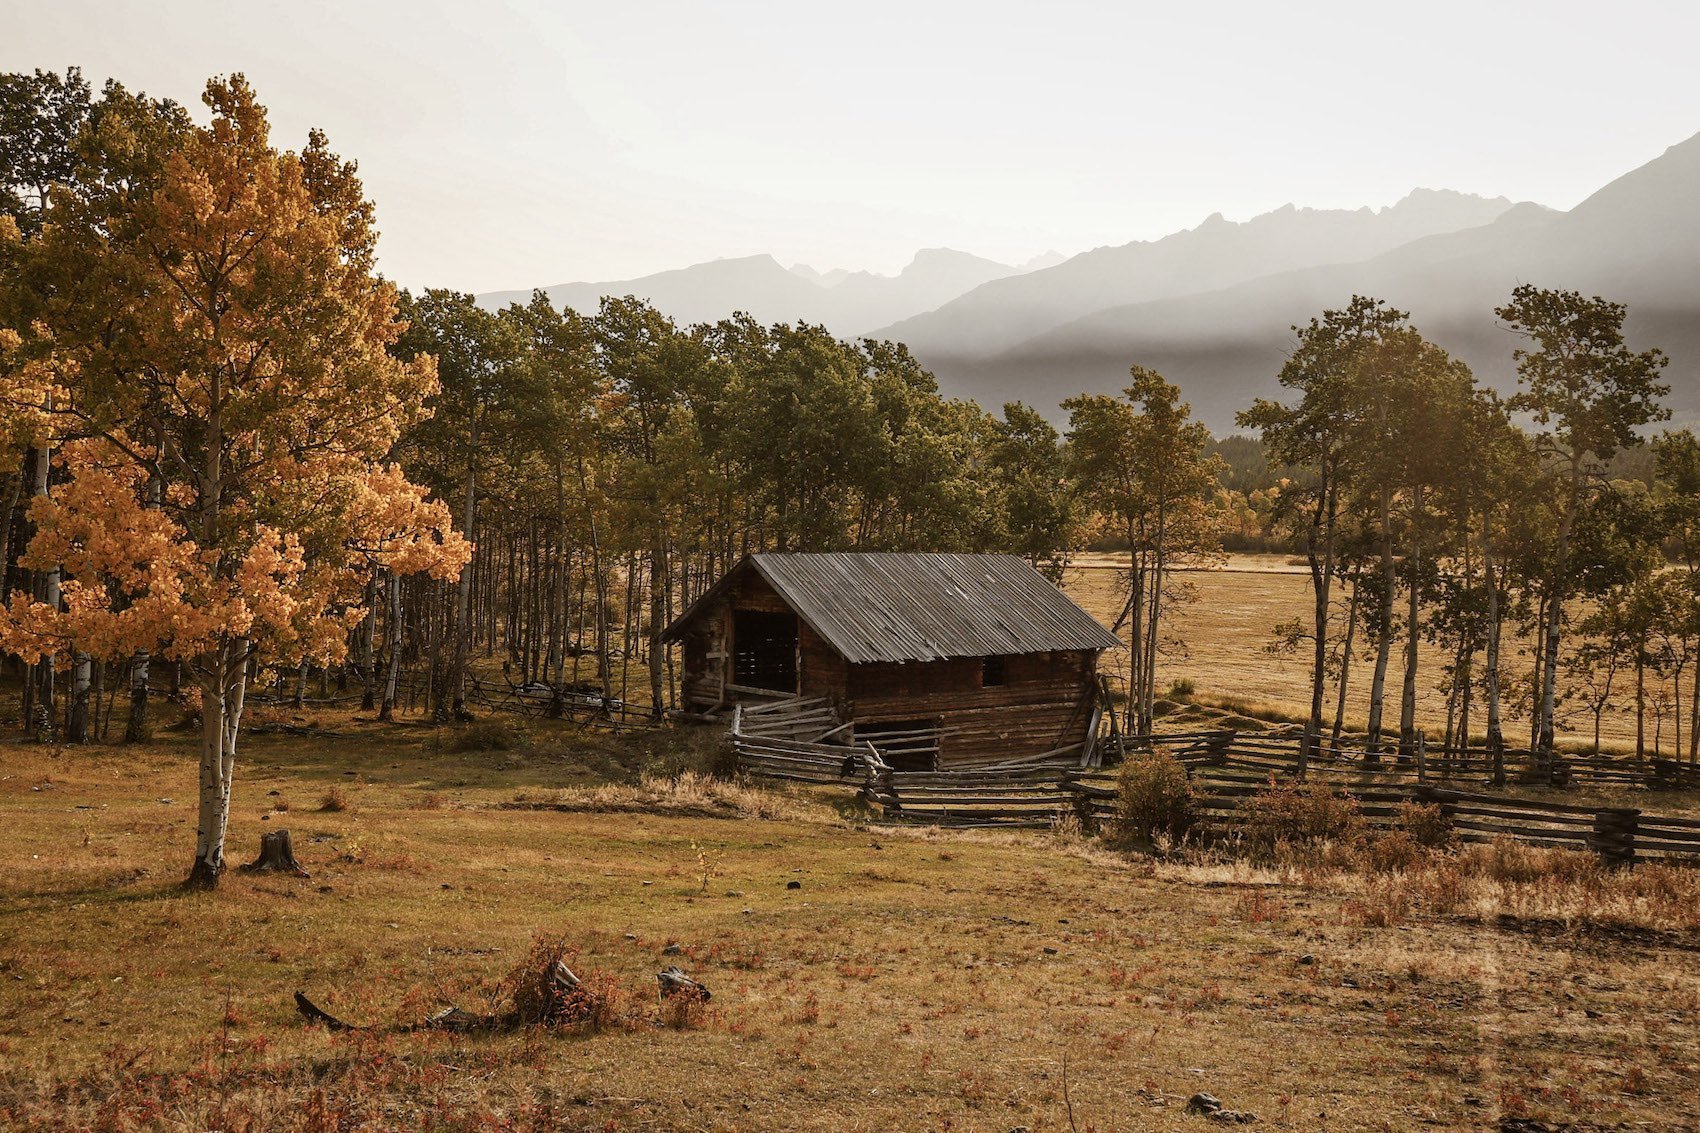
1661, 846
1523, 832
1681, 823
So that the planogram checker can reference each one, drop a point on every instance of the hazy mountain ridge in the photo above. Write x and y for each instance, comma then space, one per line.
958, 303
1636, 240
1212, 306
848, 303
1217, 253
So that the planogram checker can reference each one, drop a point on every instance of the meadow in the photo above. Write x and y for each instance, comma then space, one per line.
1219, 642
912, 979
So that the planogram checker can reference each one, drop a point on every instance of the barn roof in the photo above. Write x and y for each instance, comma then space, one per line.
920, 607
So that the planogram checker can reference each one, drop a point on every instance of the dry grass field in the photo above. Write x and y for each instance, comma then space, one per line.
1221, 640
914, 979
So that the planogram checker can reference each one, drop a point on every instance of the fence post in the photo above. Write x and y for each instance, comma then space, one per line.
1614, 835
1422, 756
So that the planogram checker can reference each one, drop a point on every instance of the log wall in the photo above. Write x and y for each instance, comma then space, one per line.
1044, 703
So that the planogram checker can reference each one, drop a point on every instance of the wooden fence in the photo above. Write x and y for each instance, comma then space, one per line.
1280, 752
1227, 769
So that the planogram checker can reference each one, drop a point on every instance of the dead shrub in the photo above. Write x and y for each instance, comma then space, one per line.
1396, 851
335, 799
1154, 800
531, 994
1303, 818
483, 735
1426, 824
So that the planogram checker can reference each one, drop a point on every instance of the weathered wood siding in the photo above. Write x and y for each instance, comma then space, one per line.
1044, 703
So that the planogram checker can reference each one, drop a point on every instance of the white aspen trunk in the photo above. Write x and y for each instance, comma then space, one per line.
1676, 709
82, 673
214, 791
1159, 567
1321, 559
1549, 676
1640, 704
1466, 669
236, 687
1153, 621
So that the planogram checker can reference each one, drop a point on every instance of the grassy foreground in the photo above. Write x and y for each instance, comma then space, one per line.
913, 979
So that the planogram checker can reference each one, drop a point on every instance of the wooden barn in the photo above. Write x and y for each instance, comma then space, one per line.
943, 661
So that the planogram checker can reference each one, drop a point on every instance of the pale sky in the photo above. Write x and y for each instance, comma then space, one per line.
516, 144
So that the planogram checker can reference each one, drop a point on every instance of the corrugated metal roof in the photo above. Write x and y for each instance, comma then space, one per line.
923, 607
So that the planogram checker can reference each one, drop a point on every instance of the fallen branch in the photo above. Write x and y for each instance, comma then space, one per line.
676, 983
316, 1014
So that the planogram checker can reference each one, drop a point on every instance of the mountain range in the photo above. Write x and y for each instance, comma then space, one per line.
1212, 307
849, 302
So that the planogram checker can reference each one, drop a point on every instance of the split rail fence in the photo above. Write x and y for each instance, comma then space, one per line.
803, 742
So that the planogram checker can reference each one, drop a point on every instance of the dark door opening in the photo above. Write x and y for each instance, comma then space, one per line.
764, 650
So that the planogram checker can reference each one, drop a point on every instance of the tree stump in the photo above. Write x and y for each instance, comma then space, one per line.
277, 855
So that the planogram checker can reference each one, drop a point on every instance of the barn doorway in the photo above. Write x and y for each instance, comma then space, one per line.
764, 650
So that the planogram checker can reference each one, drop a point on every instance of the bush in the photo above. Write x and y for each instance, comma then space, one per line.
1182, 690
484, 735
335, 799
1154, 799
1301, 815
1427, 825
1395, 852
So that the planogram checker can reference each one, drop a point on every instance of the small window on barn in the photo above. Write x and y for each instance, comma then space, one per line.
992, 672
